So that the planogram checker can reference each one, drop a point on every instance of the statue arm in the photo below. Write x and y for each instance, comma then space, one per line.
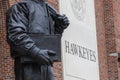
17, 24
61, 21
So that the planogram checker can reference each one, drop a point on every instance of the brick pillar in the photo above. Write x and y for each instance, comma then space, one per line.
102, 56
110, 39
106, 34
6, 63
116, 13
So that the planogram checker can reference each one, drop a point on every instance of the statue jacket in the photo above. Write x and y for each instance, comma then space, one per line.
30, 16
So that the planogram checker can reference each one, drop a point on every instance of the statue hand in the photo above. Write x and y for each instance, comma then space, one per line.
64, 20
43, 57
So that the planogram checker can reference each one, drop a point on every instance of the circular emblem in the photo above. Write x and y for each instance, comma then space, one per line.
78, 8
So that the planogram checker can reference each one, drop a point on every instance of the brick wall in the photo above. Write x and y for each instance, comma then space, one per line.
110, 39
116, 13
6, 63
107, 21
101, 39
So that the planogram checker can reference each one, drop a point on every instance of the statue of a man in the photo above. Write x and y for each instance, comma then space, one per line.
33, 16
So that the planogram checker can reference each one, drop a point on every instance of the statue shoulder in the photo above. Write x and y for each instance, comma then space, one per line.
19, 6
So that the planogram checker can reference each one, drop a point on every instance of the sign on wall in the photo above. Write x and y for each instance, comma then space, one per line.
79, 42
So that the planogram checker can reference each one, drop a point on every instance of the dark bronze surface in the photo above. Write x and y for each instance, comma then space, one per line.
33, 17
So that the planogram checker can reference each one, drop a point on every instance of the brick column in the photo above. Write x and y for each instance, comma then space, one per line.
116, 13
110, 39
103, 67
106, 34
6, 63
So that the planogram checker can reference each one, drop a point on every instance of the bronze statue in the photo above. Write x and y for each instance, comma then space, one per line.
32, 16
